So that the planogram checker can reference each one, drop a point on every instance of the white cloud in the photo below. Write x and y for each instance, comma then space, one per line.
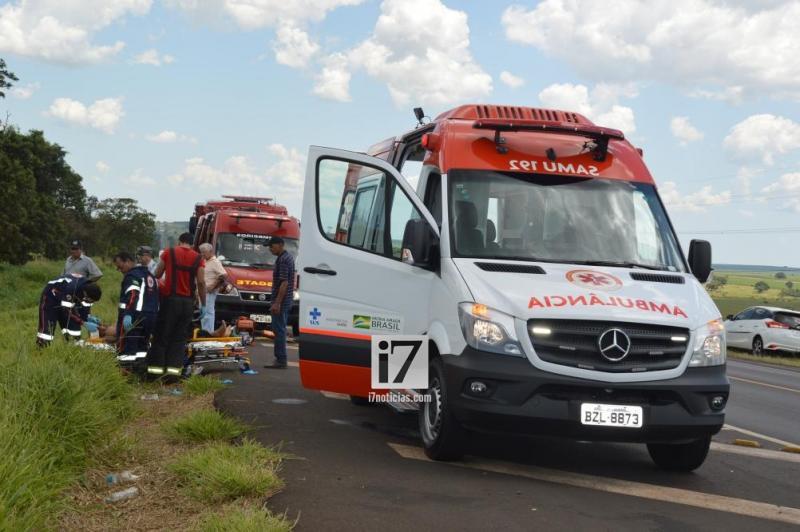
684, 131
24, 92
293, 47
695, 43
599, 105
697, 201
103, 114
168, 136
420, 49
137, 178
333, 82
787, 185
259, 14
283, 178
153, 57
731, 95
102, 167
61, 31
763, 136
511, 80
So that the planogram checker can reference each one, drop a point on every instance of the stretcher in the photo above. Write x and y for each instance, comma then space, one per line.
201, 351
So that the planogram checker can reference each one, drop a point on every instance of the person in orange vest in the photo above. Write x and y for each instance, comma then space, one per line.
183, 283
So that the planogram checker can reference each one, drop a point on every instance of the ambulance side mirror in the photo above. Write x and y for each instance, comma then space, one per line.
700, 259
420, 245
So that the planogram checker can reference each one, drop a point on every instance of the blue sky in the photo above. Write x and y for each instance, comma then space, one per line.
176, 101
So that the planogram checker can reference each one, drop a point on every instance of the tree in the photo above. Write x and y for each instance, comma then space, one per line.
6, 77
118, 224
780, 275
761, 286
789, 285
44, 197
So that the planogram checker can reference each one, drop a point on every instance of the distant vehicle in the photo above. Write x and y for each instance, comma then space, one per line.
762, 329
239, 228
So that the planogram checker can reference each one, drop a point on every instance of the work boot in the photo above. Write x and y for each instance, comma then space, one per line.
276, 365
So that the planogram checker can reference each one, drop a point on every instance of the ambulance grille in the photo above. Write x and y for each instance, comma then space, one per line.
657, 278
508, 268
575, 343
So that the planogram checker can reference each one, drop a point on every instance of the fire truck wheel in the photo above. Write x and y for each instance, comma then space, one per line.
442, 435
683, 457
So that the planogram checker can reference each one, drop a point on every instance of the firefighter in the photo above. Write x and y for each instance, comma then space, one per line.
59, 304
184, 270
138, 309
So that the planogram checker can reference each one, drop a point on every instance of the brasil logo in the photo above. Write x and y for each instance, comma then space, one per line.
361, 322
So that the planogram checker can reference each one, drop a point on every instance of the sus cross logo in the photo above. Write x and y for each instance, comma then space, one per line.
594, 280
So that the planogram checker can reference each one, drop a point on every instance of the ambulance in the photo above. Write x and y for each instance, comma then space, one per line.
532, 250
239, 229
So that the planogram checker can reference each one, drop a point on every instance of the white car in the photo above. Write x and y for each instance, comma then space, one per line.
762, 329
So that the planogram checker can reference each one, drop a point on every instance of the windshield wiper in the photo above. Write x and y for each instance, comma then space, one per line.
619, 264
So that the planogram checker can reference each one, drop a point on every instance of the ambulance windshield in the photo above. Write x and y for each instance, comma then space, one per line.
559, 219
249, 250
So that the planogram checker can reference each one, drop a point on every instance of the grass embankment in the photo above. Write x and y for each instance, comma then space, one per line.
738, 293
68, 417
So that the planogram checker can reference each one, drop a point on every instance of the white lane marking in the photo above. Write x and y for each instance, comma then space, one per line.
784, 388
756, 453
642, 490
335, 395
758, 435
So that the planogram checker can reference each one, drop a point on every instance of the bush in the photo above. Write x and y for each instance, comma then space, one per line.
235, 519
780, 275
222, 472
204, 425
761, 286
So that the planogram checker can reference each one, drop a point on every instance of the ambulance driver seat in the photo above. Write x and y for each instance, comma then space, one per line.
469, 238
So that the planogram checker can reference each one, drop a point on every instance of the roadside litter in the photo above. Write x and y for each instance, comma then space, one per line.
123, 495
119, 478
227, 381
149, 397
249, 372
176, 391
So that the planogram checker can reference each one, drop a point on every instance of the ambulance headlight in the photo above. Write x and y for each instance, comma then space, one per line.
487, 329
709, 345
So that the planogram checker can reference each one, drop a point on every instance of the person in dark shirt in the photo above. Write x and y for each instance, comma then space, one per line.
138, 309
282, 294
59, 304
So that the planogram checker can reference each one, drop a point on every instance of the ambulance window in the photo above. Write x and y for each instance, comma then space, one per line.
647, 240
350, 203
433, 197
402, 210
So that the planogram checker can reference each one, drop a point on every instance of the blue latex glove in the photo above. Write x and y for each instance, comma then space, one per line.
94, 319
127, 323
202, 311
90, 326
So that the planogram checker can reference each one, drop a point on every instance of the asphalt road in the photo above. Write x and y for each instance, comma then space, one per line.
765, 399
360, 468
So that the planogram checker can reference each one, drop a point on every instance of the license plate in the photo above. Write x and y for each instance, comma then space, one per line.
261, 318
611, 415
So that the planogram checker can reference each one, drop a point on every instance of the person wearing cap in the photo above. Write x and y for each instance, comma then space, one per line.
79, 265
282, 296
138, 310
145, 256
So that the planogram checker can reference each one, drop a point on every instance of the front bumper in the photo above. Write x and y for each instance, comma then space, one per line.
524, 399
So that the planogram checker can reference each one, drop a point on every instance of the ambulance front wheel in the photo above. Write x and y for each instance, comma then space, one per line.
442, 435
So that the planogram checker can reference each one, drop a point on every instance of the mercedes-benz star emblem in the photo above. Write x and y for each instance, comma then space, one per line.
614, 344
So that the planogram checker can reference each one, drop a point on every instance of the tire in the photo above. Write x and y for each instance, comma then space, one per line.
683, 457
359, 401
758, 346
442, 434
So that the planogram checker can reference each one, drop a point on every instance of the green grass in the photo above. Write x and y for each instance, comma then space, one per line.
203, 426
221, 472
200, 385
739, 293
787, 360
56, 405
236, 519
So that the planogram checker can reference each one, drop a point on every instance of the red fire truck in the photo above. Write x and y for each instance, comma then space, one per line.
239, 228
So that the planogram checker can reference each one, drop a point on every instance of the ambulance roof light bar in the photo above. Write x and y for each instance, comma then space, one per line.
599, 135
251, 199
